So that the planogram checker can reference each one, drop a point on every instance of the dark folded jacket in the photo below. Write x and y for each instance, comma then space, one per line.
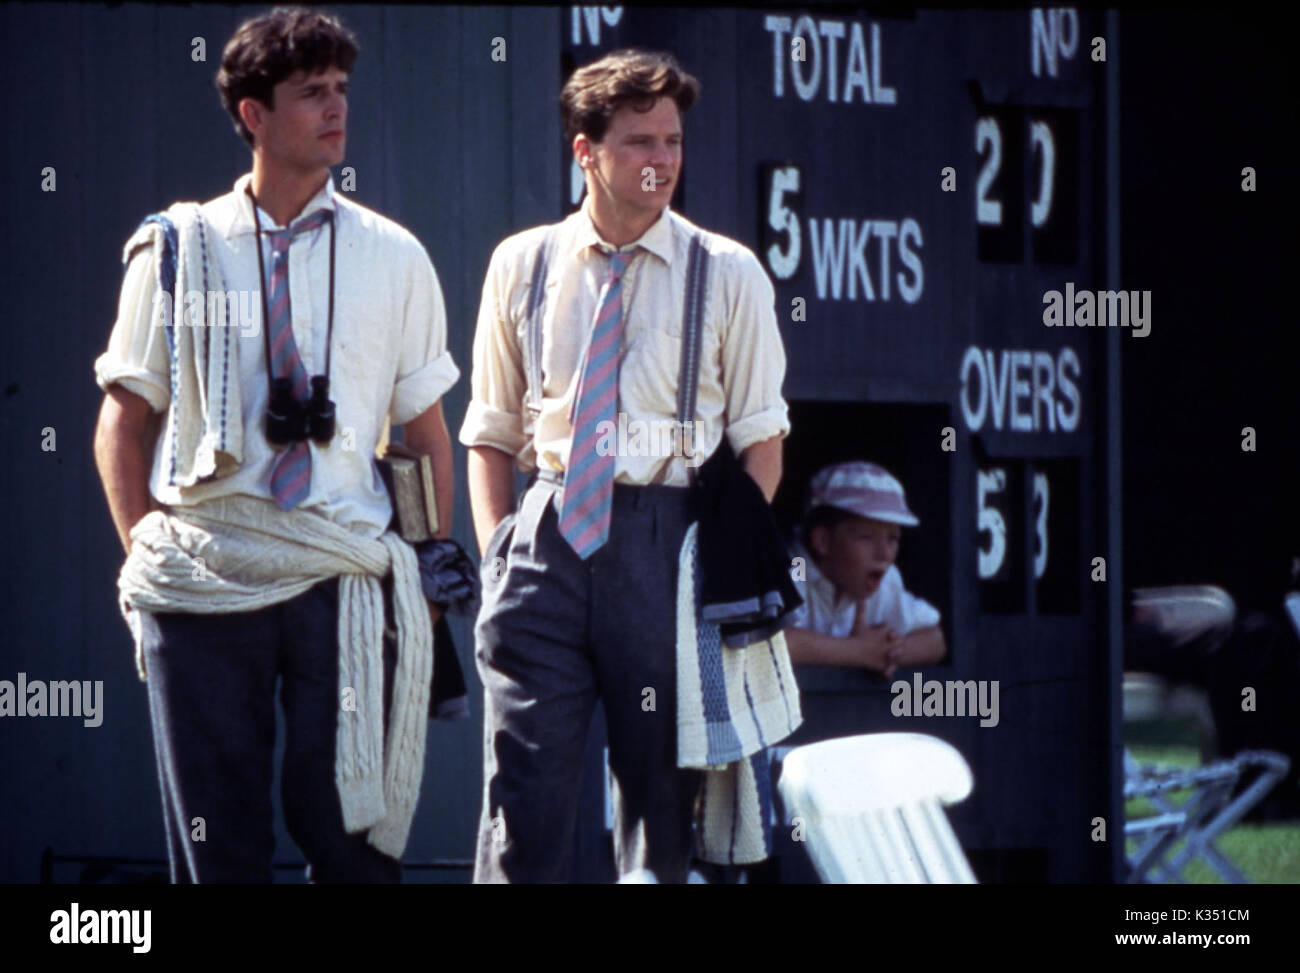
744, 562
450, 580
448, 698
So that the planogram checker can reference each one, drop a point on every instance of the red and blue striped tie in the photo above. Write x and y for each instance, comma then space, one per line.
291, 474
589, 479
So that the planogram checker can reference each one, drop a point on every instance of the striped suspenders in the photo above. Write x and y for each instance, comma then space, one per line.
697, 272
533, 328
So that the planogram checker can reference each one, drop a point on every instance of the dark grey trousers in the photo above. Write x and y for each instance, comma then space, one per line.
554, 635
212, 682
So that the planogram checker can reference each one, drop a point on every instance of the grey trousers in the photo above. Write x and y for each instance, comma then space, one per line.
555, 634
212, 687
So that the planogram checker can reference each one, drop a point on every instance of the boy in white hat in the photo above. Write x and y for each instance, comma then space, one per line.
856, 611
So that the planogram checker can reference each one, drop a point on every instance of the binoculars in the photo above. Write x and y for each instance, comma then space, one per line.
290, 421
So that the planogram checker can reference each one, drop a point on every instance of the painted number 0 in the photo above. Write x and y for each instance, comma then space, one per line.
1040, 139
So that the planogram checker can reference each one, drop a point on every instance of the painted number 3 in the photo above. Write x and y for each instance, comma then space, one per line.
1040, 524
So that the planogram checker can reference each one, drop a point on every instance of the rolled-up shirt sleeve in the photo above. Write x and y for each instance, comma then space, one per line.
497, 383
137, 357
919, 613
425, 370
753, 356
903, 611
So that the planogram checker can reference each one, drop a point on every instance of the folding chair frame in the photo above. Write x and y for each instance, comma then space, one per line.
1210, 811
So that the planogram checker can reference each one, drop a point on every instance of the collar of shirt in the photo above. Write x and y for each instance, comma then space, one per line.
820, 587
240, 217
658, 239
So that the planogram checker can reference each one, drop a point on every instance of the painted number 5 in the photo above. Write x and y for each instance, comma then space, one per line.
783, 262
990, 519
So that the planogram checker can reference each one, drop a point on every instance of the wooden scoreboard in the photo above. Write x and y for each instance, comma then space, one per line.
918, 187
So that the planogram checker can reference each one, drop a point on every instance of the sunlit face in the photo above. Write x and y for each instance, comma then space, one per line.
856, 553
306, 131
636, 141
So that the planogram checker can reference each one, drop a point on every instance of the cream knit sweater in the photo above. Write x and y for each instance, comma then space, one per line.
242, 553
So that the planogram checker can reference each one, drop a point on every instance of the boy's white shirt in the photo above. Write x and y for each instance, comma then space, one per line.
828, 612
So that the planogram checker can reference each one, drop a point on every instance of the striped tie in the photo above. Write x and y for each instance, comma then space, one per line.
589, 479
291, 474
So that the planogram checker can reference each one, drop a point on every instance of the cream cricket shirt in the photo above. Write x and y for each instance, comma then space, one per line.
389, 354
742, 358
829, 613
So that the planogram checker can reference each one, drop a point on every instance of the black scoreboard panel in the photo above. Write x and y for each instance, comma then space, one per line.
915, 186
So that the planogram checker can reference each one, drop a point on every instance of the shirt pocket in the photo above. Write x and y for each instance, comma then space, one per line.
648, 373
637, 294
652, 360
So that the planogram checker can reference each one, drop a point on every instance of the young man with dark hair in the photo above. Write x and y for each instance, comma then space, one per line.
256, 527
581, 581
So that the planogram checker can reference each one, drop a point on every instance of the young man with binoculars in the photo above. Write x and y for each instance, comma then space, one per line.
239, 472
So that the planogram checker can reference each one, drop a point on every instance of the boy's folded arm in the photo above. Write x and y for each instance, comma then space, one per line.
807, 648
921, 647
810, 648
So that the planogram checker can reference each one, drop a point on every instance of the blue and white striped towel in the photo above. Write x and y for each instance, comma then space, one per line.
204, 438
731, 705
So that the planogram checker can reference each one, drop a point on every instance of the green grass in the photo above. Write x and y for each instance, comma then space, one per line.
1265, 853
